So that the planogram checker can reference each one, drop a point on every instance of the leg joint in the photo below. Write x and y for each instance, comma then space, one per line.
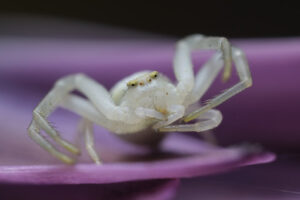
247, 83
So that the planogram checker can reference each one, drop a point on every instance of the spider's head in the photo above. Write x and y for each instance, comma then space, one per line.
141, 85
151, 90
143, 80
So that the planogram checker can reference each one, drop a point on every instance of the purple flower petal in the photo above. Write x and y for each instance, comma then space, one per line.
213, 162
142, 190
279, 180
23, 161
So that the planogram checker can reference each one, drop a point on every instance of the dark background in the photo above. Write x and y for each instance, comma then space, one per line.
226, 18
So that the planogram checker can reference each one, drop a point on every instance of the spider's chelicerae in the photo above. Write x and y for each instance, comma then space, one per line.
146, 102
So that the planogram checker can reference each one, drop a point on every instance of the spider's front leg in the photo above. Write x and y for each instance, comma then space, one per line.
96, 93
175, 112
205, 122
183, 68
244, 74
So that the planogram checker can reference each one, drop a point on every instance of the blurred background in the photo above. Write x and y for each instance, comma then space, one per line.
228, 18
275, 21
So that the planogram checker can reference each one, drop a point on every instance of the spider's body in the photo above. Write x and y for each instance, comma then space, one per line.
145, 102
150, 92
146, 95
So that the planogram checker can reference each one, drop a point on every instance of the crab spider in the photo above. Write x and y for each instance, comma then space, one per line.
145, 102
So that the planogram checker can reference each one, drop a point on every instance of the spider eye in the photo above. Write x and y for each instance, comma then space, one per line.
154, 74
132, 83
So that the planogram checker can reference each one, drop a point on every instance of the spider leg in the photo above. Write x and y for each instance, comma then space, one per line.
206, 121
33, 132
183, 66
87, 110
95, 92
176, 112
245, 82
87, 129
45, 125
204, 78
147, 112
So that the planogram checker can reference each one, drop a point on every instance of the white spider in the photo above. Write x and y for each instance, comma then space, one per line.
144, 103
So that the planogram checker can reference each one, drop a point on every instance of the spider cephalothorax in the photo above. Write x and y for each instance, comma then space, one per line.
144, 102
147, 94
